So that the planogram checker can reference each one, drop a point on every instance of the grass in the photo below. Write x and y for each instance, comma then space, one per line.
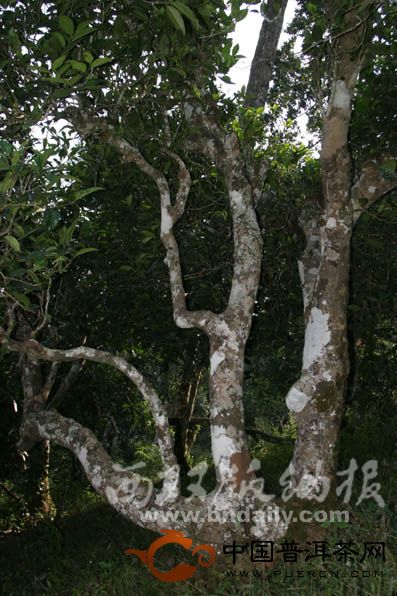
82, 553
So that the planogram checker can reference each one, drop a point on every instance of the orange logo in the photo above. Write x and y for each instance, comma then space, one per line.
183, 570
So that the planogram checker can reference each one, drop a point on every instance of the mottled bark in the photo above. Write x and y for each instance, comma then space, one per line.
316, 399
34, 348
36, 386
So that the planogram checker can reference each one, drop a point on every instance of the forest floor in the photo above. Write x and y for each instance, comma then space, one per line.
81, 552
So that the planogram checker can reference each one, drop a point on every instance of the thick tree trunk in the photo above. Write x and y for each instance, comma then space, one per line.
317, 398
228, 438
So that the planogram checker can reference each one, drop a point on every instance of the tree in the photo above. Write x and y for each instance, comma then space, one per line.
156, 105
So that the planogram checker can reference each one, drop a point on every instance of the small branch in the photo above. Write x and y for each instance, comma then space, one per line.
67, 383
256, 432
332, 38
45, 302
185, 183
50, 380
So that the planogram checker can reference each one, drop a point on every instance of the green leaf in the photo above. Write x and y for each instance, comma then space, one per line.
5, 147
147, 236
100, 62
19, 230
7, 183
55, 80
58, 62
76, 79
88, 57
87, 191
185, 10
66, 25
84, 251
176, 19
80, 66
14, 243
164, 45
82, 30
60, 38
65, 234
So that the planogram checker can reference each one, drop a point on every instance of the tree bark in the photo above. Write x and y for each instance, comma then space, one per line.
262, 64
316, 399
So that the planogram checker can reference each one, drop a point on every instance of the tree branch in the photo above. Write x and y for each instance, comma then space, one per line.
263, 61
373, 182
67, 383
223, 148
170, 214
37, 351
125, 490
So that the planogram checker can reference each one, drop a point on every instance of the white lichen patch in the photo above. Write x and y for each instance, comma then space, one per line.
371, 189
82, 455
111, 495
217, 357
166, 221
182, 322
341, 98
223, 445
236, 200
301, 270
161, 420
317, 337
331, 223
296, 400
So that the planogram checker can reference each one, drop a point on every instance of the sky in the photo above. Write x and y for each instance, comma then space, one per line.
246, 35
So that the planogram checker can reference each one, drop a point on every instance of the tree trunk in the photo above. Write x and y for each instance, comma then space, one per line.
317, 398
38, 481
228, 437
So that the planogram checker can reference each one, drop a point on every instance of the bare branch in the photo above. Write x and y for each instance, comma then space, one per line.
224, 149
50, 380
37, 351
170, 214
124, 489
67, 383
185, 183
